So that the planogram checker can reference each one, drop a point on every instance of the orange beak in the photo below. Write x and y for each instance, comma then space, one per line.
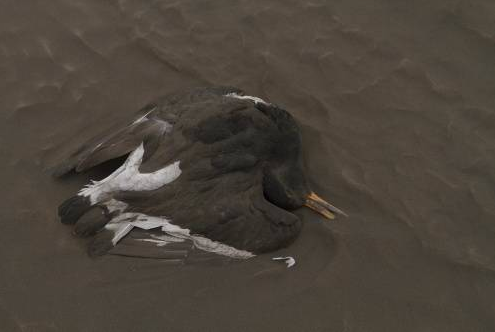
315, 202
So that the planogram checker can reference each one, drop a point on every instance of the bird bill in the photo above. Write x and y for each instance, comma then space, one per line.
315, 202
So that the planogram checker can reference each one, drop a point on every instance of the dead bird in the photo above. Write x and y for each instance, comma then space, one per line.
210, 165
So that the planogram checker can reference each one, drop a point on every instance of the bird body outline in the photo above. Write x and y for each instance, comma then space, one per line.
209, 164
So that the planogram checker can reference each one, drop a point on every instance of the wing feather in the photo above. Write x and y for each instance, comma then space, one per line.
147, 129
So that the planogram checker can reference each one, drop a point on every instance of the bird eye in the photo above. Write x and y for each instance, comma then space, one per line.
277, 190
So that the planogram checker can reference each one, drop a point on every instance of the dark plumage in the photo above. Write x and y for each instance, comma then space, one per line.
241, 171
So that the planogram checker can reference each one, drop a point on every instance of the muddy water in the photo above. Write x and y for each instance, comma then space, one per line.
396, 102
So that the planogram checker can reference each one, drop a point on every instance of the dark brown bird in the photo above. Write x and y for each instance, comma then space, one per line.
209, 165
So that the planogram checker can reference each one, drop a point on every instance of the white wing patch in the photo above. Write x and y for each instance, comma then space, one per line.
256, 100
128, 178
123, 224
119, 229
162, 240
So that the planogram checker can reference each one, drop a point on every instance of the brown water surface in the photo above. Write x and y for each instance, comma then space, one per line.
396, 100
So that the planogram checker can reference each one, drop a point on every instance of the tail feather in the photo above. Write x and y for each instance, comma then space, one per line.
107, 238
73, 208
91, 222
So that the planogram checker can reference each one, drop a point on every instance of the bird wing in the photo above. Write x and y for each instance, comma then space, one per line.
230, 209
147, 128
154, 244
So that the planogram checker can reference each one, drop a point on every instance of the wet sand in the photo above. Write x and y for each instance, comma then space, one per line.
396, 103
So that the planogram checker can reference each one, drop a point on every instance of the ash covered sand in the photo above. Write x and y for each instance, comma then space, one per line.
396, 104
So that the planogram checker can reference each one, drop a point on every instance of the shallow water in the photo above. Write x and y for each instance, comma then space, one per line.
396, 102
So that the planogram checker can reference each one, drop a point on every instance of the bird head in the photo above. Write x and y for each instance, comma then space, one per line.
284, 180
